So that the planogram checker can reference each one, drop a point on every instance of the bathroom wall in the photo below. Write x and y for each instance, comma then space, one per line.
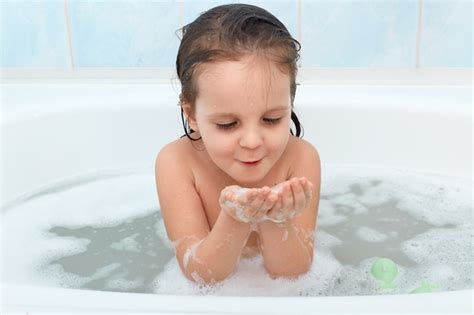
73, 34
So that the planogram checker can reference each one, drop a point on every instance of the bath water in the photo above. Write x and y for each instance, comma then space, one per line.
104, 231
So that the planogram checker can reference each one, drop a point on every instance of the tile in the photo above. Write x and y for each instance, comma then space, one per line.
34, 34
124, 33
362, 33
446, 38
337, 33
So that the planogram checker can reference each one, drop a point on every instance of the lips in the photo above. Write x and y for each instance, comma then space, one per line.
251, 163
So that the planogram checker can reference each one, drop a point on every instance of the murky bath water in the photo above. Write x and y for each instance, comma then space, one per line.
104, 232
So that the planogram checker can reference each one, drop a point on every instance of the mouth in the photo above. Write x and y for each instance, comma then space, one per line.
251, 163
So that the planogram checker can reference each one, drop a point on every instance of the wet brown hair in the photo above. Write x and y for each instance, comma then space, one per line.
228, 32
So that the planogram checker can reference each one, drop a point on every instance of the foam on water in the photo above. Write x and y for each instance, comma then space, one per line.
107, 234
251, 279
47, 227
370, 235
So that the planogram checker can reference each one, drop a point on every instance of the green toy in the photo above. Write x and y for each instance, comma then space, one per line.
385, 271
426, 288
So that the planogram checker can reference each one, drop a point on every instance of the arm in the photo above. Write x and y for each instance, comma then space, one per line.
215, 256
287, 247
201, 253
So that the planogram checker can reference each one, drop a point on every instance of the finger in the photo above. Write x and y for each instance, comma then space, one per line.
275, 214
298, 195
253, 202
287, 198
270, 201
265, 191
277, 188
264, 194
276, 205
307, 187
227, 196
263, 207
247, 201
244, 197
257, 199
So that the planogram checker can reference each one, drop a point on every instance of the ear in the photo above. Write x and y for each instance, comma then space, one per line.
189, 114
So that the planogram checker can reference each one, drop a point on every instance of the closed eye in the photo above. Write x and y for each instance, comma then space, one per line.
272, 121
226, 126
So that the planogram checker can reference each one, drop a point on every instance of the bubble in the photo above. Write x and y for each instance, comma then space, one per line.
422, 222
128, 243
371, 235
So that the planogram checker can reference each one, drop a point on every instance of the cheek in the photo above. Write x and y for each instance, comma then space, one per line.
216, 144
278, 139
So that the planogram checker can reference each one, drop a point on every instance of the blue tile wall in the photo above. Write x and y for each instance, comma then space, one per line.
359, 33
33, 34
446, 39
143, 33
124, 33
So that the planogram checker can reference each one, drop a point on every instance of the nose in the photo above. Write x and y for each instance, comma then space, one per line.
251, 138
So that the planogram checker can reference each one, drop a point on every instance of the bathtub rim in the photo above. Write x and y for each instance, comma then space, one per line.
24, 298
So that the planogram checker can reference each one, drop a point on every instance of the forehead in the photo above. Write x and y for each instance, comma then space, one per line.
251, 79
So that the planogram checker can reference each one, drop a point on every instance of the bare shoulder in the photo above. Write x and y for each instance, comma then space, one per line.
303, 160
173, 154
177, 193
303, 152
171, 149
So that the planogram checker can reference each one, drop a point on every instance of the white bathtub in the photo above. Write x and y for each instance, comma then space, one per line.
53, 131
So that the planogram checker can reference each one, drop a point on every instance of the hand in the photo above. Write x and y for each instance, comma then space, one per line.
294, 196
247, 204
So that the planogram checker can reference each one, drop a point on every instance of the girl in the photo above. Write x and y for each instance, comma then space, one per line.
240, 183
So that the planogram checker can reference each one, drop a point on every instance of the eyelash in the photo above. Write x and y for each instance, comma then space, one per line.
226, 126
270, 121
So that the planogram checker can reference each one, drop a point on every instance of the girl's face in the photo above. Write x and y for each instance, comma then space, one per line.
242, 113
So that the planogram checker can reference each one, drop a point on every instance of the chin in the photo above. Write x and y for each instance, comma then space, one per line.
247, 177
247, 180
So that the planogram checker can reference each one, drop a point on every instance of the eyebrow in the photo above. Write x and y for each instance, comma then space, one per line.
226, 114
279, 108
